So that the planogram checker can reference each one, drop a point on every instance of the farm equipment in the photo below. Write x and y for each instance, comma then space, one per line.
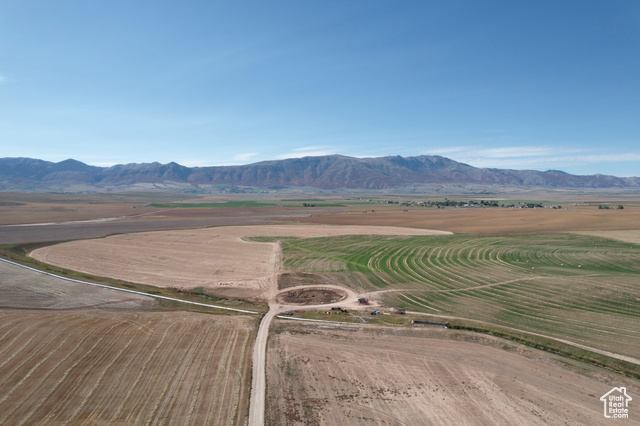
399, 311
375, 312
363, 301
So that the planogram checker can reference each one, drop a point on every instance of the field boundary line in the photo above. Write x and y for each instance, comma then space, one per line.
356, 324
621, 357
126, 290
567, 342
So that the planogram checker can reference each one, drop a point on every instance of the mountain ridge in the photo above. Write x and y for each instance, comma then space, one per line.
330, 172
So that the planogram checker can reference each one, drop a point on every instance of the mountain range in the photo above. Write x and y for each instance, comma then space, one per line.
331, 172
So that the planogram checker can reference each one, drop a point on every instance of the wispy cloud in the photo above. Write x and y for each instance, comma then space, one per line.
103, 164
309, 151
246, 156
194, 163
3, 79
524, 152
531, 157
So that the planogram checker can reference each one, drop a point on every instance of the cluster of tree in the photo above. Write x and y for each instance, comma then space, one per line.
605, 207
447, 203
471, 203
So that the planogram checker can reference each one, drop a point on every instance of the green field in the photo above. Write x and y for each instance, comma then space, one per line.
580, 288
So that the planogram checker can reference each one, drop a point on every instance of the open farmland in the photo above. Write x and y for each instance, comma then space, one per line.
98, 367
576, 288
25, 208
72, 353
374, 376
59, 217
629, 236
486, 221
21, 288
218, 259
581, 288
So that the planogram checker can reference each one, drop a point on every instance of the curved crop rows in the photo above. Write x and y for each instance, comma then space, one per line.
123, 368
579, 287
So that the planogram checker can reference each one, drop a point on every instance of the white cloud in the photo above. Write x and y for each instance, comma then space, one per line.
102, 164
193, 163
245, 156
309, 151
3, 79
522, 152
611, 158
531, 157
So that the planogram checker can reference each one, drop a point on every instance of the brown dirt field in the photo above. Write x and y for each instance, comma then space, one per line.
77, 230
57, 217
28, 217
124, 368
628, 236
217, 259
311, 296
21, 288
327, 375
20, 208
492, 220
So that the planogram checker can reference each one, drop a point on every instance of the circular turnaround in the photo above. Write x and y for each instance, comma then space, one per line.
311, 296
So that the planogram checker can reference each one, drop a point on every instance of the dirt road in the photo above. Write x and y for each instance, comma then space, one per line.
269, 292
257, 402
258, 380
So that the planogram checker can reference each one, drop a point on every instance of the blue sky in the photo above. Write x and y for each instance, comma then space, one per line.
523, 85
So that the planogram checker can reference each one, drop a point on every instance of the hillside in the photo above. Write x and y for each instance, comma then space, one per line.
325, 172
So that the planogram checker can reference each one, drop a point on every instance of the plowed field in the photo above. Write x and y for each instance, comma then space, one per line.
322, 376
214, 258
22, 288
494, 220
95, 367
